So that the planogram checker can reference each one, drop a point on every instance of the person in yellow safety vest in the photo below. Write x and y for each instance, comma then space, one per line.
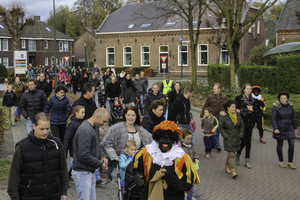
167, 85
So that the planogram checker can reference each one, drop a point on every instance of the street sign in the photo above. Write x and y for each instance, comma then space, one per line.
67, 58
20, 62
164, 58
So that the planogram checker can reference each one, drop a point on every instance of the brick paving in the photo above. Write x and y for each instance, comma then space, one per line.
264, 181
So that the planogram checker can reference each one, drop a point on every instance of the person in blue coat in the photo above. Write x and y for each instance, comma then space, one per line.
59, 107
285, 127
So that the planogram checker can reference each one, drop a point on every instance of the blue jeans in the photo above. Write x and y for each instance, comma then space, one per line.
29, 125
17, 111
85, 184
140, 104
217, 138
209, 142
190, 194
188, 126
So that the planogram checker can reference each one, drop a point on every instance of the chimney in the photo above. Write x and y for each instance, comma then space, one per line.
37, 18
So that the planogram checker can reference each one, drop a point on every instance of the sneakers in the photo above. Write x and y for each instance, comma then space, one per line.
208, 156
291, 165
282, 165
247, 163
219, 149
262, 141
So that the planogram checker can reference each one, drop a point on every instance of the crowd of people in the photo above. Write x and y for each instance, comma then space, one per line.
150, 144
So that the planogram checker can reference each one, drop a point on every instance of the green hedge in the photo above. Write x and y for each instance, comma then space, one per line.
283, 77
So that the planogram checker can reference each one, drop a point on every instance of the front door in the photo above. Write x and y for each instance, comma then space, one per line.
163, 59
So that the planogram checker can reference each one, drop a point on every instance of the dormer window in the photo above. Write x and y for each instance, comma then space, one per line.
145, 25
130, 25
170, 24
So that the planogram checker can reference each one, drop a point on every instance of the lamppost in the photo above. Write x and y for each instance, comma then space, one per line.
180, 38
85, 64
54, 29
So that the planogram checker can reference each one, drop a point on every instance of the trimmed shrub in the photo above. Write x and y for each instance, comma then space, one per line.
219, 74
3, 71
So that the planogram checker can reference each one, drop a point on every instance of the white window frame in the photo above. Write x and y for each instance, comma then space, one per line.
32, 45
3, 46
143, 56
46, 44
258, 27
5, 62
107, 57
0, 60
61, 46
0, 44
180, 57
66, 46
46, 61
199, 54
23, 44
221, 55
124, 56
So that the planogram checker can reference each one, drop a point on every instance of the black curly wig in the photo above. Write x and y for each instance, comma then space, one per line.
174, 136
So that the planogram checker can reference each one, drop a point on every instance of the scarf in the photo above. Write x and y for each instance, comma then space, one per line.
128, 83
233, 117
59, 97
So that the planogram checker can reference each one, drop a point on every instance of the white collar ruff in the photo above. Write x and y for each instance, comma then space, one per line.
164, 159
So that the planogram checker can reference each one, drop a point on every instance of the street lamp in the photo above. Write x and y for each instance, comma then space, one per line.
85, 64
180, 38
54, 29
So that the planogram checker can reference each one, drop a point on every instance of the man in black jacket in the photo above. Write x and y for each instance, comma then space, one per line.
43, 85
112, 90
86, 100
39, 169
180, 111
31, 103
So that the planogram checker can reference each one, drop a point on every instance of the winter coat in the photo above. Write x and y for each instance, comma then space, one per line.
247, 116
190, 151
140, 87
113, 90
124, 161
44, 86
88, 104
283, 119
10, 99
150, 120
128, 93
151, 97
145, 82
95, 82
19, 89
70, 133
232, 134
75, 81
82, 81
180, 112
32, 103
62, 75
216, 102
115, 139
59, 110
172, 96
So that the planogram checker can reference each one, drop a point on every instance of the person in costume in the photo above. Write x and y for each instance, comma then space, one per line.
259, 106
162, 168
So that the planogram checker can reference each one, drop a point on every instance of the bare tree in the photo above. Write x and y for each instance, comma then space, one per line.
233, 12
14, 20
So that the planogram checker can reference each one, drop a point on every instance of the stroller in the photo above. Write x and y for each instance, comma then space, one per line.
116, 113
132, 191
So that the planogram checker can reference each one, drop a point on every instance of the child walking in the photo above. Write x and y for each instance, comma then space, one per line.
101, 96
73, 122
188, 148
10, 101
209, 126
125, 158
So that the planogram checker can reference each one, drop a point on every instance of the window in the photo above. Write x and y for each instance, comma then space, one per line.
61, 60
258, 27
23, 44
170, 24
61, 45
183, 55
195, 22
145, 54
145, 25
130, 26
127, 59
46, 61
5, 45
224, 57
202, 54
110, 56
163, 49
46, 44
66, 46
31, 45
0, 44
5, 62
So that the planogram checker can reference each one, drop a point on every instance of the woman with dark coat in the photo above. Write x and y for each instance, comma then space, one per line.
245, 106
285, 127
75, 82
231, 126
19, 88
84, 79
154, 115
128, 91
59, 107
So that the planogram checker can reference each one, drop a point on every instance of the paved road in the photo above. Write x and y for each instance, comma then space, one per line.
264, 181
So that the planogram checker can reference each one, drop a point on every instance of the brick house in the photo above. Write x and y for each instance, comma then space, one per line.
288, 25
134, 37
37, 40
270, 30
86, 41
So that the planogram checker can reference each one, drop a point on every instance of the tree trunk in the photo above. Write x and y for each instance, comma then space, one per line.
233, 52
194, 65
